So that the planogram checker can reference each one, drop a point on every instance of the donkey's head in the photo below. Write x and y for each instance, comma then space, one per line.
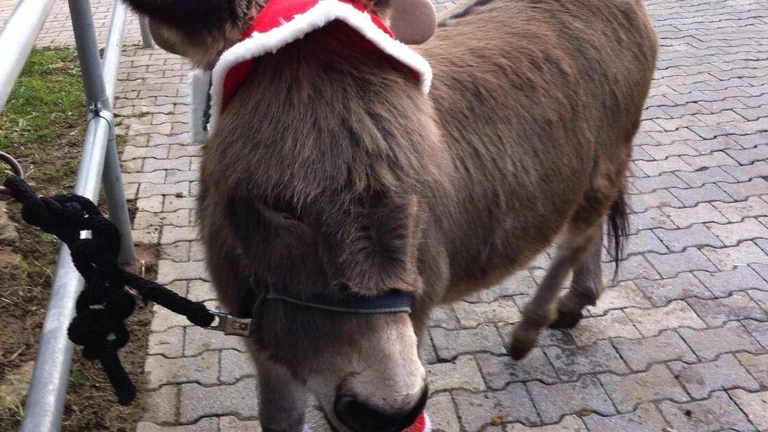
319, 175
326, 189
202, 29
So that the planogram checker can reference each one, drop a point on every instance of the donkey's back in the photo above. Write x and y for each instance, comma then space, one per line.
538, 101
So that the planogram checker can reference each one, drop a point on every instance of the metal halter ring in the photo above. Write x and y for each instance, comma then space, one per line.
15, 167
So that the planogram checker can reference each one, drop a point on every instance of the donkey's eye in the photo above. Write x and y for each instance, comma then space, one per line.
283, 210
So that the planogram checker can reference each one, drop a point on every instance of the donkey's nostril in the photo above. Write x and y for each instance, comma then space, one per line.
361, 417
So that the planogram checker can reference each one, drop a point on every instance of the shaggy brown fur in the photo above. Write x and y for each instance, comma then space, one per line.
330, 172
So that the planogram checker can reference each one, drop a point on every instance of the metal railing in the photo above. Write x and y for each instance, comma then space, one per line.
99, 164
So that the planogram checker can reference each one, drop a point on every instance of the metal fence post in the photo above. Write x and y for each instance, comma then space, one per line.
113, 179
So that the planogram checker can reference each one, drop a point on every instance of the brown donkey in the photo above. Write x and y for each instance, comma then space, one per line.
332, 176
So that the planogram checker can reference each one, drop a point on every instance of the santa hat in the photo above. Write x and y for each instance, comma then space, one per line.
277, 25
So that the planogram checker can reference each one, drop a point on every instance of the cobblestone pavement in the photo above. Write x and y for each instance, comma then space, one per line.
680, 342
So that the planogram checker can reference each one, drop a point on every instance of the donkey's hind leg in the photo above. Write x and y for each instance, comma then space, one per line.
586, 287
539, 312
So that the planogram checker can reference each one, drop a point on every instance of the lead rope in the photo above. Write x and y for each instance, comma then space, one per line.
104, 304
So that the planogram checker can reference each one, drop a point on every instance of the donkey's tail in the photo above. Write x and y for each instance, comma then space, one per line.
618, 229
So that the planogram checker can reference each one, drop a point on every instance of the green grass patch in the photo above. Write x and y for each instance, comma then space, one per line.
43, 126
43, 121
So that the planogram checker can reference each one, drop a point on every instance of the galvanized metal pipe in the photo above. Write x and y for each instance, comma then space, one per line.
47, 393
17, 38
113, 179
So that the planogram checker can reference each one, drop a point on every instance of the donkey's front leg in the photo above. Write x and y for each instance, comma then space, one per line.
282, 399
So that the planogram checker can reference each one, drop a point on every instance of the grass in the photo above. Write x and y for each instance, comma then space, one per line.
42, 126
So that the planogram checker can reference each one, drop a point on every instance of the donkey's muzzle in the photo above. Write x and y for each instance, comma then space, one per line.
360, 417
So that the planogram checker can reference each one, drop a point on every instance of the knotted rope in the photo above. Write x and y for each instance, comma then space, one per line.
104, 304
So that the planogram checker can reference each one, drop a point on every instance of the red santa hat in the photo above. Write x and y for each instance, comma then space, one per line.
284, 21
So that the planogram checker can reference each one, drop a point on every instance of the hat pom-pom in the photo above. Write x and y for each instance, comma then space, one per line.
422, 424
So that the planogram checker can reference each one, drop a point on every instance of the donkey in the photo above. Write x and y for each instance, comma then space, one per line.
332, 176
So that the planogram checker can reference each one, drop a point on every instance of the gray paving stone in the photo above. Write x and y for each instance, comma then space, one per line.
710, 343
714, 414
672, 264
558, 400
462, 373
727, 258
758, 330
682, 286
633, 267
650, 184
701, 379
734, 233
519, 283
718, 143
754, 405
169, 343
203, 369
240, 399
445, 317
233, 424
704, 176
471, 315
743, 190
709, 160
210, 424
628, 391
573, 362
442, 412
198, 340
161, 405
653, 218
234, 366
685, 217
569, 423
721, 284
707, 193
451, 343
169, 271
736, 211
612, 324
760, 297
677, 314
477, 410
644, 241
646, 418
716, 312
625, 294
499, 371
679, 239
640, 353
639, 203
749, 156
660, 152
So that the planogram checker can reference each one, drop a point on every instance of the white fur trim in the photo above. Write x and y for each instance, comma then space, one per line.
321, 14
199, 83
306, 429
427, 423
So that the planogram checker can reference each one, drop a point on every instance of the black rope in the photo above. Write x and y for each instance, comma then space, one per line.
104, 304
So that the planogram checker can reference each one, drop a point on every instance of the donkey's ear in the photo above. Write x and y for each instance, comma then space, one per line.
412, 21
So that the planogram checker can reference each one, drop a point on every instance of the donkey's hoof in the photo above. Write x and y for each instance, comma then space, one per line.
566, 320
520, 344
